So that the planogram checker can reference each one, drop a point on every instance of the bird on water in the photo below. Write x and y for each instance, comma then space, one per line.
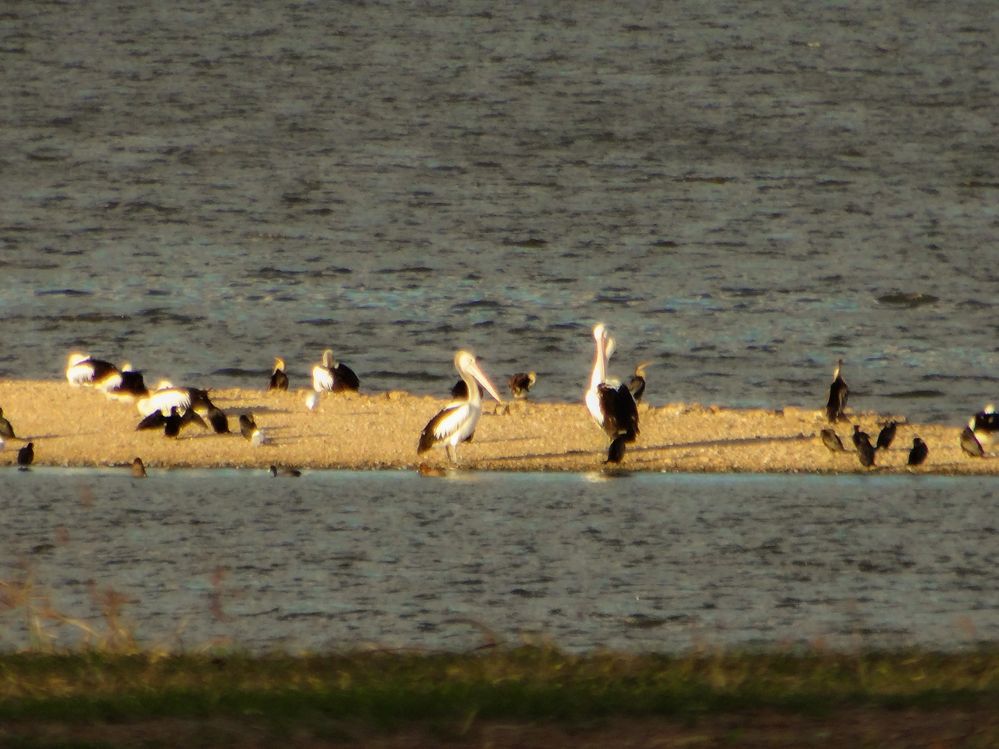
456, 422
334, 376
138, 469
612, 408
918, 453
838, 393
279, 378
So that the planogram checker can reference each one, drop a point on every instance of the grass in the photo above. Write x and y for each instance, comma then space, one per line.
382, 689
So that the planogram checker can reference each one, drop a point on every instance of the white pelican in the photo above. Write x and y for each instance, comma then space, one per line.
279, 379
455, 423
81, 369
614, 409
838, 392
332, 376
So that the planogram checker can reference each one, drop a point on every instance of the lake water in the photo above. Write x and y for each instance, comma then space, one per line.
643, 562
744, 192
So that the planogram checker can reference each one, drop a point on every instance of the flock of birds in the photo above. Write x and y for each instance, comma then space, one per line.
975, 437
612, 405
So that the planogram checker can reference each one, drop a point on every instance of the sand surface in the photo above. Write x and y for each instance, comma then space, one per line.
82, 427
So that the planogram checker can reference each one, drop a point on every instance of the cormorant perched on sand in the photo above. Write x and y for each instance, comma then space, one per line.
637, 384
279, 379
887, 435
247, 425
6, 430
26, 456
838, 392
217, 418
832, 441
173, 422
520, 383
969, 441
329, 375
918, 452
865, 450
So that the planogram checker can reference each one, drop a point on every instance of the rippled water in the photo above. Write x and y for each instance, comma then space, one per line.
642, 562
744, 191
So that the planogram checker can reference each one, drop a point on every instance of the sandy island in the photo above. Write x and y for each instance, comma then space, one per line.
73, 426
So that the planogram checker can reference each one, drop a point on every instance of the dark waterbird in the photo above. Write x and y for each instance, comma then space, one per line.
138, 469
637, 384
459, 391
521, 382
132, 384
217, 418
26, 456
279, 379
918, 453
283, 471
969, 442
887, 435
838, 393
865, 450
6, 430
832, 441
171, 423
247, 425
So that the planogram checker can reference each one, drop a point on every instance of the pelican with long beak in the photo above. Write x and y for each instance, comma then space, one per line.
613, 408
456, 422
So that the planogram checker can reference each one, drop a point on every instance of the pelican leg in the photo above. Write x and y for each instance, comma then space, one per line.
452, 453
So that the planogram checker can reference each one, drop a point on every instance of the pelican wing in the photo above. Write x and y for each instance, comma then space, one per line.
322, 378
163, 400
345, 379
447, 421
154, 420
620, 411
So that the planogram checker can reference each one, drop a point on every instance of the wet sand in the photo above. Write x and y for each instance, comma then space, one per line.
82, 427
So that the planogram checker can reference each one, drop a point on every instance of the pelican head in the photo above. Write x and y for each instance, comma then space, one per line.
468, 368
75, 358
640, 369
278, 363
839, 366
328, 360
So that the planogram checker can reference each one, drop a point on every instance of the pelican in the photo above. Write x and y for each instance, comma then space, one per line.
166, 395
521, 382
332, 376
279, 379
456, 422
81, 369
986, 425
838, 392
614, 409
918, 452
130, 384
637, 384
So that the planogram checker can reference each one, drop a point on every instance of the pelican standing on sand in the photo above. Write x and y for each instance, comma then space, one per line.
329, 375
614, 409
456, 422
81, 369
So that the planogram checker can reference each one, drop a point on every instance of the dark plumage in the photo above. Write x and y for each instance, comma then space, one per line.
6, 430
279, 379
838, 393
887, 435
615, 453
132, 383
460, 390
521, 382
218, 420
832, 441
637, 384
918, 452
865, 450
275, 472
138, 469
173, 423
247, 425
620, 412
970, 444
26, 455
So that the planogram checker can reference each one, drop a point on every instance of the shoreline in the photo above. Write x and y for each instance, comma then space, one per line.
80, 427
